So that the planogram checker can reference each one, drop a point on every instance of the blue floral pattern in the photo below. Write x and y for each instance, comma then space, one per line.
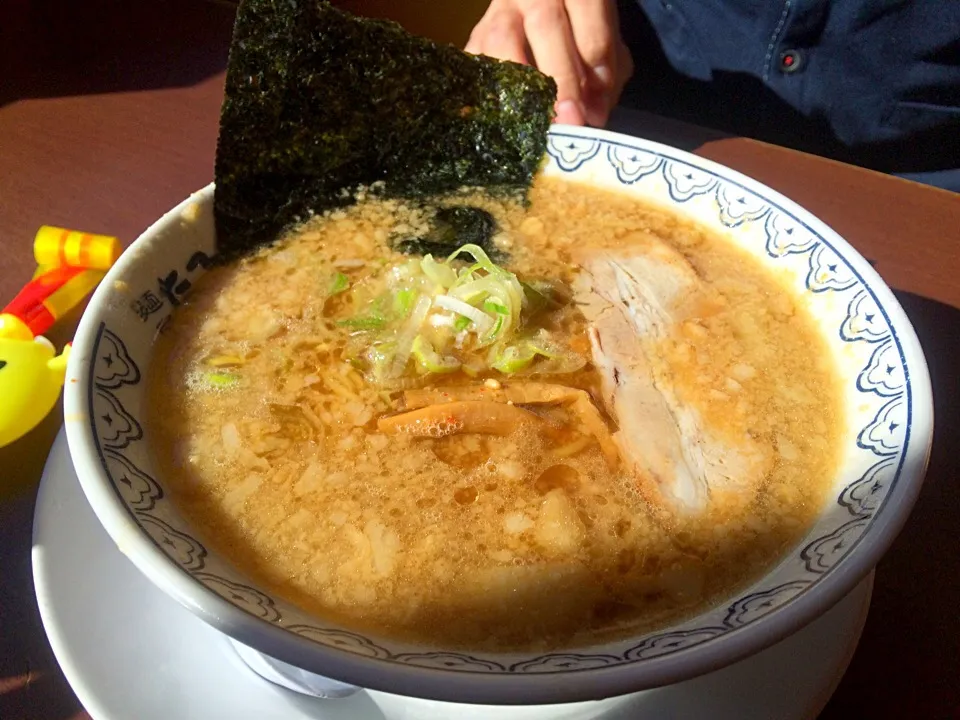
180, 547
825, 552
449, 661
670, 642
243, 596
565, 662
341, 639
137, 489
631, 165
883, 436
571, 152
686, 182
114, 367
115, 427
883, 375
827, 272
863, 497
864, 321
738, 206
785, 236
756, 605
782, 236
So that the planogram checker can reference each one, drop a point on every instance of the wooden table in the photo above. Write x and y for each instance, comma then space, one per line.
107, 122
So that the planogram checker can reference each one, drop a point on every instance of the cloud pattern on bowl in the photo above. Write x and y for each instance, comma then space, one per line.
882, 390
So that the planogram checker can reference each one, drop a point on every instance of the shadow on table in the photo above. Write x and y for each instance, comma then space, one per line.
55, 49
31, 683
908, 660
674, 133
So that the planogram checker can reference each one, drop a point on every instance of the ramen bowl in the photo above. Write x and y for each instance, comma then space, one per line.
886, 443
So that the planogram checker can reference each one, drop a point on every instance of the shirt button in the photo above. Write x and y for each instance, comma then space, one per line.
790, 61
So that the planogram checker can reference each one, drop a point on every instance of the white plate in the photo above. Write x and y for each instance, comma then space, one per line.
131, 652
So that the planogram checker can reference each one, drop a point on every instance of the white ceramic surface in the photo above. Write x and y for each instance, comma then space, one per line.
886, 390
129, 651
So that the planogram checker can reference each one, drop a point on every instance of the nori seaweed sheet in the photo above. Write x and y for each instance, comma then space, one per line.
451, 227
319, 102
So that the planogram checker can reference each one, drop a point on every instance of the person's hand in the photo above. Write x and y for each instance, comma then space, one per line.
577, 42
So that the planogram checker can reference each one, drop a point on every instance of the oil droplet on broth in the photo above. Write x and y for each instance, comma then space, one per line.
555, 477
466, 495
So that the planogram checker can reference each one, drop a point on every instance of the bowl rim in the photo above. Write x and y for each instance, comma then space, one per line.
547, 687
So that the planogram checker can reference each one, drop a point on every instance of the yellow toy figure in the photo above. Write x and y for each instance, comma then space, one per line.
31, 375
70, 264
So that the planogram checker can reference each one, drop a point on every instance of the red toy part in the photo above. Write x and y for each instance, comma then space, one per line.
36, 304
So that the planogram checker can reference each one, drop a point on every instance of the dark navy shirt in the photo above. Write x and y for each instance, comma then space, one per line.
875, 82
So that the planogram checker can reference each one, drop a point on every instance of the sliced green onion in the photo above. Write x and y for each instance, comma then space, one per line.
439, 273
479, 256
429, 359
408, 334
403, 301
339, 283
476, 291
431, 307
491, 306
499, 285
544, 345
495, 332
513, 358
221, 379
483, 321
518, 356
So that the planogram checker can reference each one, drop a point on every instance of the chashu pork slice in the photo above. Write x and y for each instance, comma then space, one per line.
629, 296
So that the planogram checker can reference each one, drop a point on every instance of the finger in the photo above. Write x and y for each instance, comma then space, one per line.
598, 101
592, 23
594, 27
475, 42
596, 107
503, 37
551, 42
479, 33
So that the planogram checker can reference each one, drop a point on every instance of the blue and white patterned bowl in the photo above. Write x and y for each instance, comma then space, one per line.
887, 392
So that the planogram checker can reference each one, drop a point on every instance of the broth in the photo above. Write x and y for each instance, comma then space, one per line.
266, 429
